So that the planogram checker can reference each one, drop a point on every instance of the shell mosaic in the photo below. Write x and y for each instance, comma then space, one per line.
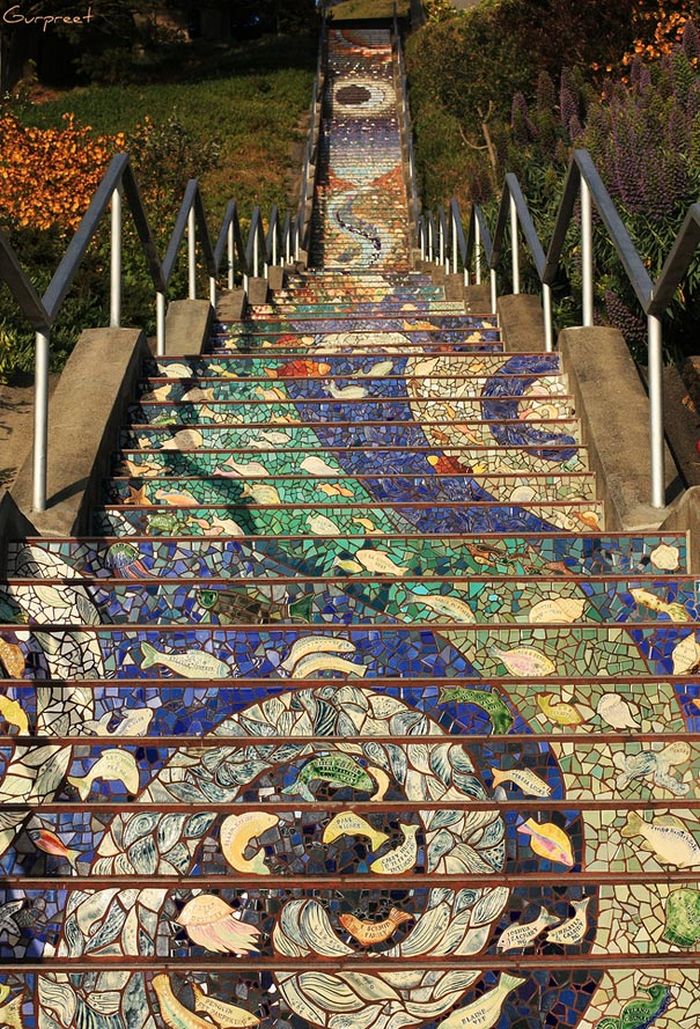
350, 713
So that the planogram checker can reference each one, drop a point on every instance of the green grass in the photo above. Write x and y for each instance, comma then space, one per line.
251, 98
369, 9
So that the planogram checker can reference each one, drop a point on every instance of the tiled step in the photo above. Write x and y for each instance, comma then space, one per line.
466, 324
524, 724
375, 365
546, 397
329, 294
317, 345
349, 278
427, 517
220, 436
358, 309
280, 410
280, 592
251, 480
382, 649
317, 554
410, 460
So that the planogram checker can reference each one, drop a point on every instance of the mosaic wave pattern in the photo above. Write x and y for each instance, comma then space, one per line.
360, 199
351, 713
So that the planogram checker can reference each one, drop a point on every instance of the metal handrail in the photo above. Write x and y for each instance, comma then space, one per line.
300, 229
584, 184
119, 184
260, 250
405, 121
230, 241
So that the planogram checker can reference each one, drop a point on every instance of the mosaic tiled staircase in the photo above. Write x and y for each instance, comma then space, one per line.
351, 713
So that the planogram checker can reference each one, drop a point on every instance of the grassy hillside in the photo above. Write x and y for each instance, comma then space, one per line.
250, 98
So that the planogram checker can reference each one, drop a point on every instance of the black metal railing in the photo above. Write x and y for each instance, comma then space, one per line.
442, 239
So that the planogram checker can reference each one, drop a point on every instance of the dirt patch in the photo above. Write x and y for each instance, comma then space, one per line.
16, 425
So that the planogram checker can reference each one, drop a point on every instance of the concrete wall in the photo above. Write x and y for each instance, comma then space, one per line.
86, 411
521, 321
187, 327
614, 409
684, 516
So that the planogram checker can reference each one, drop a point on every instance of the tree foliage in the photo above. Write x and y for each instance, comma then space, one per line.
494, 92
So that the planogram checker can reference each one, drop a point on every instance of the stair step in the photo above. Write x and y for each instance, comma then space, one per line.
335, 295
412, 346
546, 397
527, 727
215, 652
278, 592
430, 518
220, 436
505, 367
233, 485
322, 409
382, 308
590, 556
145, 463
424, 324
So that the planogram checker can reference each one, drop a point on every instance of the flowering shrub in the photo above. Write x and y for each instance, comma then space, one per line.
660, 28
48, 176
643, 131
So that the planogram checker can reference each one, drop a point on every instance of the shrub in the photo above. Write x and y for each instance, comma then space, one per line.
47, 176
642, 129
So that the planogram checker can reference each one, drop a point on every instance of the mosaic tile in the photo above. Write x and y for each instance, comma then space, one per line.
402, 517
351, 716
319, 555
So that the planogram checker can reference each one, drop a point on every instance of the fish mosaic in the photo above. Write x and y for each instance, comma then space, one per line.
350, 712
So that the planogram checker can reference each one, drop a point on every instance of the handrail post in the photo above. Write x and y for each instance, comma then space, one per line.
441, 242
514, 245
587, 253
656, 412
494, 291
160, 324
256, 265
421, 237
454, 242
212, 291
41, 420
477, 251
115, 273
231, 257
548, 324
192, 253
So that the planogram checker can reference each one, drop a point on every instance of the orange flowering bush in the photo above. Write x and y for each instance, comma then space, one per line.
48, 176
660, 28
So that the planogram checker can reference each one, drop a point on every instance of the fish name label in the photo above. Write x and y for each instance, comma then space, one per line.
522, 935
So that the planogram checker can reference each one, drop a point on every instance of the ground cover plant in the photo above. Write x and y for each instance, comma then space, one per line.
229, 115
630, 93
